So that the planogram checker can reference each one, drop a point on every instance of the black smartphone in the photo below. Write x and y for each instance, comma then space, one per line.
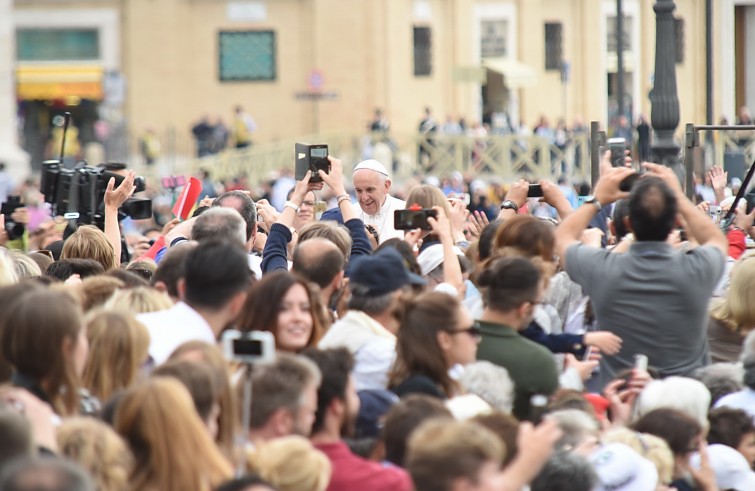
15, 230
311, 157
535, 191
618, 148
413, 219
13, 203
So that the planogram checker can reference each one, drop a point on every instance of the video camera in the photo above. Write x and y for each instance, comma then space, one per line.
79, 193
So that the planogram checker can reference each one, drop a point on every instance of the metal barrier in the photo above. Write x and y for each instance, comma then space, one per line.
505, 156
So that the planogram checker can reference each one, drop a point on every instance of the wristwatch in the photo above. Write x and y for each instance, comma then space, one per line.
292, 205
509, 205
594, 201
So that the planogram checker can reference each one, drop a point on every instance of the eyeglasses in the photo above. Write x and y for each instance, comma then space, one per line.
310, 204
473, 331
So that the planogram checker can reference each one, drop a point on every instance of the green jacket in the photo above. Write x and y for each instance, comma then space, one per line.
531, 366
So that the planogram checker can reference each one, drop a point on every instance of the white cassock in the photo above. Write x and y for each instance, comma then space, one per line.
383, 221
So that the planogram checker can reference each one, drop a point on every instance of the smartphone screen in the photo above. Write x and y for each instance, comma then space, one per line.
413, 219
535, 191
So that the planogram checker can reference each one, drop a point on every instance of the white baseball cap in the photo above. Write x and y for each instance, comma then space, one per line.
372, 164
431, 257
731, 468
620, 468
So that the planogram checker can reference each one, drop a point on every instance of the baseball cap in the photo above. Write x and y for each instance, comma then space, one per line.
373, 405
381, 273
372, 164
730, 467
431, 257
333, 214
620, 468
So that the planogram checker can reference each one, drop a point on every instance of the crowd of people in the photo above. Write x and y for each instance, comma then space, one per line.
532, 343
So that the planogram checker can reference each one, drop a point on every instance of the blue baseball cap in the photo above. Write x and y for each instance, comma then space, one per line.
381, 273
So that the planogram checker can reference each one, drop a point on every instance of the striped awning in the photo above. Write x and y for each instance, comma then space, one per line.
49, 82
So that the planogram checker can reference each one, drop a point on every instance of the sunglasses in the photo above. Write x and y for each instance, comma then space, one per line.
473, 331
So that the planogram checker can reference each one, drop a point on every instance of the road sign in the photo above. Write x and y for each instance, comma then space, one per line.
315, 81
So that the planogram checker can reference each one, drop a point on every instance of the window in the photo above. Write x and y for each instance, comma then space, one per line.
57, 44
423, 51
679, 38
611, 33
553, 46
493, 40
247, 56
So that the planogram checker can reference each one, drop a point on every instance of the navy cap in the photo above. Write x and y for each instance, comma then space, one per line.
381, 273
373, 406
332, 214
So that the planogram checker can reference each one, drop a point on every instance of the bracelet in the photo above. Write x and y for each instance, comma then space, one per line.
292, 205
343, 197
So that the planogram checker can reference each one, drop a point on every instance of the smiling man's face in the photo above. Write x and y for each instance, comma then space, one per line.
371, 189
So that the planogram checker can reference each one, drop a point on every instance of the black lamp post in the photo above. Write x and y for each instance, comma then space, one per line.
664, 113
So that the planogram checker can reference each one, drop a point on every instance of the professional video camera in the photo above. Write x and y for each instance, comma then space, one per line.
78, 193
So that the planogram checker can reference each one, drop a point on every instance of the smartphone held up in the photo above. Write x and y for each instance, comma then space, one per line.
311, 157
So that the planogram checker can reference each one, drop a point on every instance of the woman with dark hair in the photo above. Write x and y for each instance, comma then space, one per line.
44, 340
436, 334
733, 428
683, 434
287, 306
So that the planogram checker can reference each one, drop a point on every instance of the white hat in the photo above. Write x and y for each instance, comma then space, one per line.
467, 406
731, 468
372, 164
432, 257
620, 468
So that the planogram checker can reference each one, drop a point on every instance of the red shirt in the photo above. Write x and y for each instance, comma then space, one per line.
352, 472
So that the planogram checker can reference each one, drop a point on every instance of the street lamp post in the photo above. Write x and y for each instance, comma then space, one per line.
664, 112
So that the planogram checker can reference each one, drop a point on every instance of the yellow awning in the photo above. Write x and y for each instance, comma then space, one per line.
515, 73
59, 81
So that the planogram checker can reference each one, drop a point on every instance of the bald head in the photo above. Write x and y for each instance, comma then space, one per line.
220, 223
319, 261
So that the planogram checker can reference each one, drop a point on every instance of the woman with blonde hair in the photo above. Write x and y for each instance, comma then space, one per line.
211, 356
291, 463
118, 348
7, 269
89, 242
43, 339
653, 448
139, 300
733, 316
25, 266
428, 196
98, 449
172, 450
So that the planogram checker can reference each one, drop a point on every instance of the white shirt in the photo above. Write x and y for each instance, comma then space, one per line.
168, 329
372, 345
383, 221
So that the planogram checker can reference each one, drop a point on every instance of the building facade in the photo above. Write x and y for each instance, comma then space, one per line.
301, 67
